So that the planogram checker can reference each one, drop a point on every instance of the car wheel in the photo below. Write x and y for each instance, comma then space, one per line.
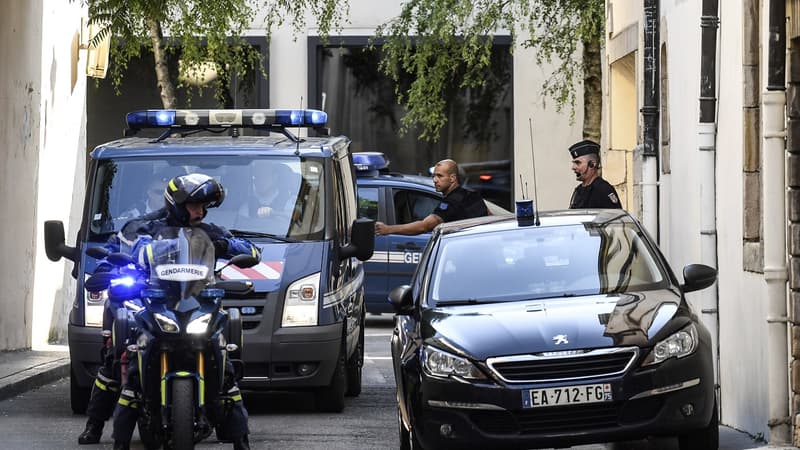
354, 366
704, 439
78, 395
331, 397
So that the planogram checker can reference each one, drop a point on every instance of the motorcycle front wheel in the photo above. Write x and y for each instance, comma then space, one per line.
182, 414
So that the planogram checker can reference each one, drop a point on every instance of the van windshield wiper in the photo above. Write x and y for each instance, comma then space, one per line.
258, 234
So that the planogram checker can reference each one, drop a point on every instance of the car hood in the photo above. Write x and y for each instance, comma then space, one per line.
601, 321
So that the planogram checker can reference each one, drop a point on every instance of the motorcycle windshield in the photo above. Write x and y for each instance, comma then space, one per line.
182, 261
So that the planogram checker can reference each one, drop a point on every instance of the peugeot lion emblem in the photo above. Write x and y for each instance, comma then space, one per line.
560, 339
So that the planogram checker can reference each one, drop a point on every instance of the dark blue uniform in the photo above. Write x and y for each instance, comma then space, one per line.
599, 194
461, 203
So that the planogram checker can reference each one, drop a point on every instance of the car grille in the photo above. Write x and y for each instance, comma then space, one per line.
555, 419
563, 366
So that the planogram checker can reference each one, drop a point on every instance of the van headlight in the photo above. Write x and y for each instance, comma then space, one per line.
438, 363
677, 345
94, 307
301, 305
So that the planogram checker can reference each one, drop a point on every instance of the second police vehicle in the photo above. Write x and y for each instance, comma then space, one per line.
295, 198
394, 198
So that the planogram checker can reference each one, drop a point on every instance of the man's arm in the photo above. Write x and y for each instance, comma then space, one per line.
409, 229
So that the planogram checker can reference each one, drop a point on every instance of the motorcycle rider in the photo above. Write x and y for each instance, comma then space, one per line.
187, 199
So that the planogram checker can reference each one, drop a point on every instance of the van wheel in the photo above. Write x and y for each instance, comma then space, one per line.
78, 395
354, 366
331, 397
705, 438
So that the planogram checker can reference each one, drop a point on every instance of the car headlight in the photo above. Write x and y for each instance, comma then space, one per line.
166, 324
677, 345
300, 307
438, 363
199, 325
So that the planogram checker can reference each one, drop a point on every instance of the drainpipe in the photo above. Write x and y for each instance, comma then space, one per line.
775, 268
650, 116
707, 136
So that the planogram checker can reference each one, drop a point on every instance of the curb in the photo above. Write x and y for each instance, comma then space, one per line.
33, 377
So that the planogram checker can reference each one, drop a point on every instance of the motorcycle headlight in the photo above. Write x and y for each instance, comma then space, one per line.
300, 307
677, 345
438, 363
166, 324
199, 325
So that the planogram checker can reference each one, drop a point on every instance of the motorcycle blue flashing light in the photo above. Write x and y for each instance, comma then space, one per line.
123, 281
249, 118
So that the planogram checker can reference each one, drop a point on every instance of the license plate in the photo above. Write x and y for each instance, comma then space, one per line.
567, 395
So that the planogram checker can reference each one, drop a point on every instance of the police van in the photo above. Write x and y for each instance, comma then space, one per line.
295, 198
394, 198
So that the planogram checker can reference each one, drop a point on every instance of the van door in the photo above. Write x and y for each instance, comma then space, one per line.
404, 251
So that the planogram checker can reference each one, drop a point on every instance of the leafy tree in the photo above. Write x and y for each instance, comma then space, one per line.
438, 41
200, 32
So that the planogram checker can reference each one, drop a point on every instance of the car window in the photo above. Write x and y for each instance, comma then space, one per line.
540, 262
368, 202
410, 205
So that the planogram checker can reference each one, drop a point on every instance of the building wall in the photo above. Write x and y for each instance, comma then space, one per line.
41, 157
742, 303
553, 132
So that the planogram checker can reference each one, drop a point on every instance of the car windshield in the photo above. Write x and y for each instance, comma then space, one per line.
543, 262
278, 196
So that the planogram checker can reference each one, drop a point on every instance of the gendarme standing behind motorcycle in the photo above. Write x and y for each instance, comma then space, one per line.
187, 199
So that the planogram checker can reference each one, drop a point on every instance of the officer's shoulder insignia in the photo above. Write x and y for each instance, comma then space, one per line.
443, 205
613, 197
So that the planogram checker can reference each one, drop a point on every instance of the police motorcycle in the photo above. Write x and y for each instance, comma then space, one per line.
181, 337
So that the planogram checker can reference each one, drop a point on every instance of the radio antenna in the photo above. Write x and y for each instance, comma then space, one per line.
297, 148
535, 191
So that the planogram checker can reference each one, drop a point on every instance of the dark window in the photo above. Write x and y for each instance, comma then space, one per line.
345, 81
410, 206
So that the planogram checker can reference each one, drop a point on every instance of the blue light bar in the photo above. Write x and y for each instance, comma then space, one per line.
370, 162
205, 118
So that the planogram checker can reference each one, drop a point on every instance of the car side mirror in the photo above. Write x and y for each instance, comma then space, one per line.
54, 243
401, 300
362, 240
697, 277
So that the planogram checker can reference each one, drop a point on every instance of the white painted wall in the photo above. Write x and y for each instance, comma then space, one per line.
552, 132
41, 155
742, 305
61, 171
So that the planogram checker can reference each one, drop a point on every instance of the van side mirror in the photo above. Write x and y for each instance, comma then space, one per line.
698, 276
362, 240
54, 242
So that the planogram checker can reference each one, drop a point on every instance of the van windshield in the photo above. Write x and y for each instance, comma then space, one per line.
281, 196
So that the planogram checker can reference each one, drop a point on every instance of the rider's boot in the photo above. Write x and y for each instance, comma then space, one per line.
241, 443
122, 445
92, 433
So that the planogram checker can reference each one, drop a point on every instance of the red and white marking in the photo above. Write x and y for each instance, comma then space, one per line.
265, 270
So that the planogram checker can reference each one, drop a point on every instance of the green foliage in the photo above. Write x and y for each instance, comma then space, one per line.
442, 42
330, 15
199, 31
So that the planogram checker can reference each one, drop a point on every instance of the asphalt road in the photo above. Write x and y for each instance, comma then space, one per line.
42, 419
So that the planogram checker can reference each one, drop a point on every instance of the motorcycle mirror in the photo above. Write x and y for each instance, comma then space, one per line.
233, 286
119, 259
99, 281
244, 261
97, 252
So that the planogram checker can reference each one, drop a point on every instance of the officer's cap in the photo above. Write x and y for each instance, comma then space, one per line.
584, 147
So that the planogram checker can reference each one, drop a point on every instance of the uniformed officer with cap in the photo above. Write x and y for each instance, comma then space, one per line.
458, 203
594, 191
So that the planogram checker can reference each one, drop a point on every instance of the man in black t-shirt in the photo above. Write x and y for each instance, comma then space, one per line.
594, 191
458, 203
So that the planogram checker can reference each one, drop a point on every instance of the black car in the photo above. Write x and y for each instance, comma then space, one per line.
576, 330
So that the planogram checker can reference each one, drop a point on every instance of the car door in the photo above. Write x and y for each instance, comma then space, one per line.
408, 205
